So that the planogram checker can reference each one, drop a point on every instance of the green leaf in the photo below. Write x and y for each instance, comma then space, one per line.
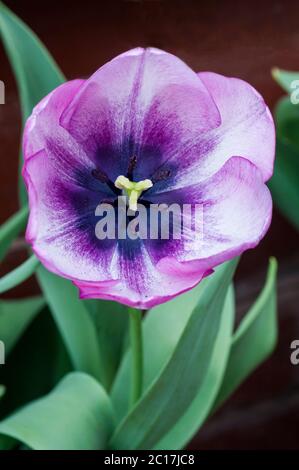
254, 339
19, 275
15, 316
46, 357
35, 70
11, 229
2, 391
172, 392
111, 323
37, 75
284, 184
6, 443
287, 122
285, 78
73, 321
76, 415
182, 432
159, 341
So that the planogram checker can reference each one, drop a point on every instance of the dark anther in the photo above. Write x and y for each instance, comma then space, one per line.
103, 178
131, 167
161, 175
99, 175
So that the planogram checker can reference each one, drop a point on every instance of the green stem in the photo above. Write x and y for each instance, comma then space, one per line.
137, 354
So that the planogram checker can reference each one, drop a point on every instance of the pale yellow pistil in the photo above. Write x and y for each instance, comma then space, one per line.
132, 190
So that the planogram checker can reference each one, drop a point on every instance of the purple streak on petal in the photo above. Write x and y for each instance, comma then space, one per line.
246, 129
62, 223
177, 119
158, 286
94, 125
121, 111
148, 115
237, 210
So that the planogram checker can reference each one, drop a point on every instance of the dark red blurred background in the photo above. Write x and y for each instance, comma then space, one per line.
243, 39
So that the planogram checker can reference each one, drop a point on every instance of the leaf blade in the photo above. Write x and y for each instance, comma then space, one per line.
159, 342
285, 78
77, 412
284, 184
35, 70
11, 229
73, 321
183, 431
111, 324
164, 402
15, 316
255, 338
19, 274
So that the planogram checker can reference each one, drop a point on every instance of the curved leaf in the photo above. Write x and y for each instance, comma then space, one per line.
254, 339
284, 184
76, 415
19, 275
35, 70
6, 443
37, 74
159, 341
198, 411
40, 347
111, 324
285, 78
15, 316
73, 321
11, 229
287, 121
170, 395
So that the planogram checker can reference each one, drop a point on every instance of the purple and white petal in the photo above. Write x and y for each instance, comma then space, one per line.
236, 214
45, 116
246, 129
140, 284
144, 104
201, 139
237, 211
61, 227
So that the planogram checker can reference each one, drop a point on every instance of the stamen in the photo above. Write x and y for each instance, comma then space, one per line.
103, 178
161, 175
99, 175
132, 189
132, 165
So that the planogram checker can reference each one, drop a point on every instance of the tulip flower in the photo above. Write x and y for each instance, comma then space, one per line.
146, 127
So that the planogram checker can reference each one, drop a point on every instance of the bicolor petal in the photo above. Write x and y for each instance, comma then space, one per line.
149, 129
